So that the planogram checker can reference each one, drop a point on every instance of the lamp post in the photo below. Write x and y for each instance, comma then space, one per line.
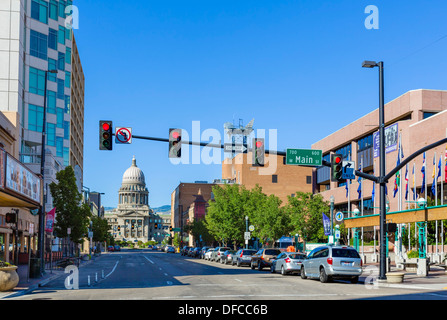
41, 236
373, 64
332, 216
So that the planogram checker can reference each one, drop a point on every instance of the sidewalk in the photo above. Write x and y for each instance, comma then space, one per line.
26, 285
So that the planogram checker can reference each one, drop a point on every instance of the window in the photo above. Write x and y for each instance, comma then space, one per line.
67, 104
35, 118
60, 117
59, 147
345, 151
38, 44
39, 11
309, 179
52, 39
429, 114
66, 130
62, 9
60, 89
66, 156
36, 81
51, 134
365, 143
61, 35
61, 61
53, 10
51, 102
274, 178
67, 79
52, 65
68, 55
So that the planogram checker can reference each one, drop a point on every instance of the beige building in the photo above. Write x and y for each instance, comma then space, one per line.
275, 177
415, 119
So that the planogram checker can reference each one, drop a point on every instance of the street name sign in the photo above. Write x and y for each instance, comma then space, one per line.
247, 235
304, 157
237, 148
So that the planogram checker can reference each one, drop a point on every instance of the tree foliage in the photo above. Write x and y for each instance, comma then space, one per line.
70, 213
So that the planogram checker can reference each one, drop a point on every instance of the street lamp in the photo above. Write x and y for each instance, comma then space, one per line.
41, 236
382, 182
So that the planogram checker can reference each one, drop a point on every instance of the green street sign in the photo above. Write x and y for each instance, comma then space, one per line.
304, 157
176, 229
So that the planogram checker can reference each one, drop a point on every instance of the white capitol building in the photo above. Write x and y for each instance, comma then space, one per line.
133, 219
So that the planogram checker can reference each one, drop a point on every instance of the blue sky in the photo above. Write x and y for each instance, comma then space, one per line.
294, 66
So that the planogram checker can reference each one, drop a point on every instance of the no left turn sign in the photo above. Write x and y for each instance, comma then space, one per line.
123, 135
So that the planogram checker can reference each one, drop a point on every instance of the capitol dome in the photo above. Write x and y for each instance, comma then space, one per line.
134, 175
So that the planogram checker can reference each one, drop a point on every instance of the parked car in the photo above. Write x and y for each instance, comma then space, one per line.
154, 248
184, 251
263, 258
227, 256
203, 251
190, 250
110, 248
117, 248
217, 253
208, 254
243, 256
288, 262
170, 249
329, 262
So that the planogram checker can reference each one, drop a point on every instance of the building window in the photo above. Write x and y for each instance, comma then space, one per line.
345, 151
365, 143
68, 55
35, 118
309, 179
52, 39
61, 61
61, 35
53, 10
60, 117
59, 147
60, 89
51, 134
67, 79
274, 178
38, 44
66, 130
67, 104
429, 114
36, 81
52, 65
51, 102
66, 156
62, 8
39, 11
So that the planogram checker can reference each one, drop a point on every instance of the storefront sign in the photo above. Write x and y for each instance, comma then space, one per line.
21, 180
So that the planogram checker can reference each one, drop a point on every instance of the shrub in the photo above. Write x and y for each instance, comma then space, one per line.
413, 254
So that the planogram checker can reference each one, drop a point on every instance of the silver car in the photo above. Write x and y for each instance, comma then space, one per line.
328, 262
243, 256
288, 262
217, 253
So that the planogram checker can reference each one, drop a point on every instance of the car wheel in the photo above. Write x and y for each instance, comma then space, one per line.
323, 276
252, 266
260, 266
303, 273
272, 269
355, 279
238, 263
283, 272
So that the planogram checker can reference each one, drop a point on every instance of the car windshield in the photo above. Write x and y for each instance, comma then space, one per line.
297, 256
345, 253
272, 252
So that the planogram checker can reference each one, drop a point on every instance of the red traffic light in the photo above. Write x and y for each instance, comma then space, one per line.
175, 134
258, 144
105, 126
337, 160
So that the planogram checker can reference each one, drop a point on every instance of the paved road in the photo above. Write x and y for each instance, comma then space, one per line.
154, 275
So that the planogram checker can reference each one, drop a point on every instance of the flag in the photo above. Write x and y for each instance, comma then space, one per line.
406, 185
397, 179
445, 159
49, 221
433, 185
347, 188
439, 168
326, 225
414, 183
423, 174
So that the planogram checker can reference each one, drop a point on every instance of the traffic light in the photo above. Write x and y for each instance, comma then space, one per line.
156, 226
105, 135
11, 218
133, 226
170, 228
258, 152
336, 167
175, 143
119, 228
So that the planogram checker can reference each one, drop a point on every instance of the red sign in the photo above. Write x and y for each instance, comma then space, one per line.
49, 223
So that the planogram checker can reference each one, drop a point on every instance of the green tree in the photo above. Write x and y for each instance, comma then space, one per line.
70, 213
100, 229
198, 228
305, 210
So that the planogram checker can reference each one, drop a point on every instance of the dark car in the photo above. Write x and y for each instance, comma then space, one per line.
184, 251
243, 256
264, 257
117, 248
203, 251
110, 248
196, 252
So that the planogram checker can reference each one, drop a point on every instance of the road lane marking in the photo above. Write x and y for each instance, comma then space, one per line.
112, 270
166, 274
149, 260
238, 280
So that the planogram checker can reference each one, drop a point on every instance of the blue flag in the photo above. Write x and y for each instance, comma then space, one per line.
326, 225
423, 174
359, 189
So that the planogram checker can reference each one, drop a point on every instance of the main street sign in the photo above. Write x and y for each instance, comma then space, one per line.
304, 157
236, 148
